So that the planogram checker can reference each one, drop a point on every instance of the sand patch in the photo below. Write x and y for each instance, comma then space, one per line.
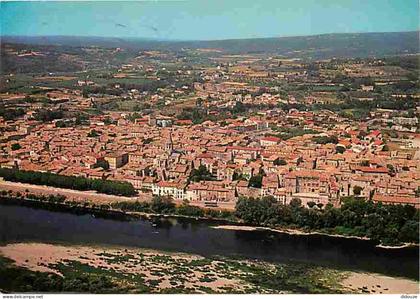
284, 230
166, 270
380, 284
236, 227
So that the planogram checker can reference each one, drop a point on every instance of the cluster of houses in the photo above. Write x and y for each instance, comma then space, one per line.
157, 156
315, 156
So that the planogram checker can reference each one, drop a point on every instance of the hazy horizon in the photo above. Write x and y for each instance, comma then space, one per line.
198, 40
197, 20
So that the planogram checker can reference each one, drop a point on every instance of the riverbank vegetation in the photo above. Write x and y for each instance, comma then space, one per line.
387, 224
164, 205
68, 182
157, 206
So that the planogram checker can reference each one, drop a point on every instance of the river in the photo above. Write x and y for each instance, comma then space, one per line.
21, 224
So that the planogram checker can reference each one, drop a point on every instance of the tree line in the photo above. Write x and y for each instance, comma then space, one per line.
68, 182
45, 115
165, 205
388, 224
52, 198
11, 114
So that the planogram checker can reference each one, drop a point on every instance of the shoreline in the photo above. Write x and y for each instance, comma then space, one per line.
127, 265
303, 233
32, 255
405, 245
110, 211
224, 223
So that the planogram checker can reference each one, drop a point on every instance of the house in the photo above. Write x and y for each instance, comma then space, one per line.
367, 87
270, 184
392, 199
208, 191
172, 189
116, 160
269, 141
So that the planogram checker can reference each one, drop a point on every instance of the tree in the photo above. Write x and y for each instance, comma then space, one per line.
135, 206
349, 218
284, 214
331, 216
69, 182
257, 211
325, 139
239, 108
45, 115
278, 162
391, 168
357, 190
295, 203
93, 133
299, 161
16, 146
80, 119
162, 205
340, 149
107, 120
238, 177
11, 114
409, 231
62, 124
255, 181
102, 163
188, 210
374, 224
201, 174
311, 204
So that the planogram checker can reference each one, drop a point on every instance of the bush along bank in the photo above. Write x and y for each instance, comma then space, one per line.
385, 224
158, 206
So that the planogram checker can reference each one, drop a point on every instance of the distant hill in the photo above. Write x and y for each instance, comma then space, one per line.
323, 46
343, 45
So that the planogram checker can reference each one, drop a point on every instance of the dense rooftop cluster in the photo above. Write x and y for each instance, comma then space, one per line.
210, 128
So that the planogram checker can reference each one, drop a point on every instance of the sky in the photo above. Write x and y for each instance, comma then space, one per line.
206, 19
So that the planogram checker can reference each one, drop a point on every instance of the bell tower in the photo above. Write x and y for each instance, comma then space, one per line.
169, 146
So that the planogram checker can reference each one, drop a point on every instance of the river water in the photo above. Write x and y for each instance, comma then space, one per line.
22, 223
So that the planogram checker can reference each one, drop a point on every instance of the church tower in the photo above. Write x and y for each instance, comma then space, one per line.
169, 146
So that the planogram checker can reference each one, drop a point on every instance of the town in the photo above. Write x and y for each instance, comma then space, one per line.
209, 128
209, 147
